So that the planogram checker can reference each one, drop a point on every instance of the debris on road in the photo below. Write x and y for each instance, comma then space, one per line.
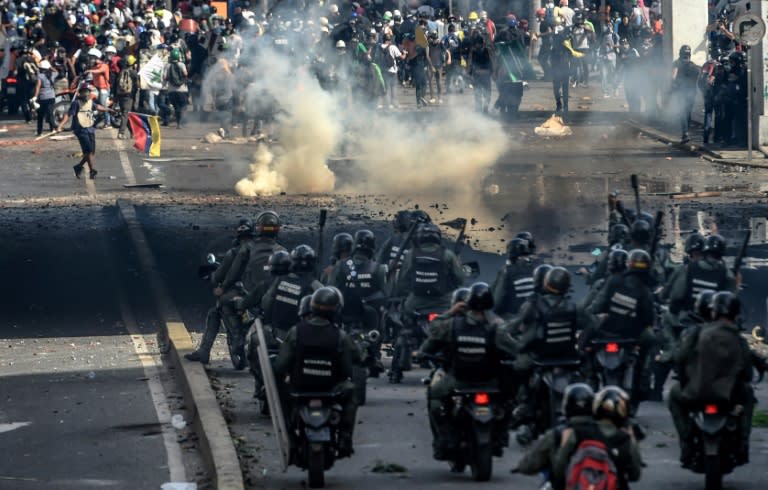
382, 467
553, 127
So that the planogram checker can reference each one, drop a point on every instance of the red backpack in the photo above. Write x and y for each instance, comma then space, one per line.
592, 468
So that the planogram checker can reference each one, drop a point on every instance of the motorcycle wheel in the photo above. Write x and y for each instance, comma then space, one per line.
236, 353
316, 466
713, 478
360, 379
481, 465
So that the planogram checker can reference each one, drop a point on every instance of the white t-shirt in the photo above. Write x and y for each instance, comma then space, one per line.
394, 52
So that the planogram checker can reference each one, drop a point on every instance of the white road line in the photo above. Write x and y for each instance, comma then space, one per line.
126, 164
13, 426
151, 372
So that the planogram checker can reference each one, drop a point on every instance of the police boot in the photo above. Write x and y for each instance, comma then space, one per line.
344, 450
395, 376
203, 352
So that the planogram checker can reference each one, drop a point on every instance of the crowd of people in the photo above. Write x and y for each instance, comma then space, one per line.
144, 57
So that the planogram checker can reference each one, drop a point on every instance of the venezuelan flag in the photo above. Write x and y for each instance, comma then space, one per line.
146, 133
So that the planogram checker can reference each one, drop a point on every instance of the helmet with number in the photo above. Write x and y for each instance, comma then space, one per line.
528, 237
714, 246
480, 297
304, 306
611, 403
267, 224
326, 302
617, 261
639, 261
280, 263
725, 304
365, 242
90, 40
694, 243
685, 52
577, 400
517, 247
342, 244
619, 233
557, 281
461, 295
304, 259
244, 228
428, 233
702, 304
641, 231
539, 273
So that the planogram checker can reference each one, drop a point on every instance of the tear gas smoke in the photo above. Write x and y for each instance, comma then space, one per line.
394, 153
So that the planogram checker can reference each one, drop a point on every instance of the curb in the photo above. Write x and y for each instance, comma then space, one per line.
660, 136
216, 444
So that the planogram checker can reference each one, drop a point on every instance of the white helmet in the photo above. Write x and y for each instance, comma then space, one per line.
94, 52
110, 50
323, 21
341, 44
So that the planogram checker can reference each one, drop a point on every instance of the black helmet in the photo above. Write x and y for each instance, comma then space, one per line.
420, 216
517, 247
725, 304
639, 261
702, 304
685, 51
647, 217
428, 233
304, 306
280, 263
737, 57
578, 399
326, 302
480, 297
244, 228
618, 234
617, 261
461, 295
714, 246
528, 237
267, 224
578, 18
402, 221
342, 243
694, 243
641, 231
365, 242
557, 281
611, 403
539, 273
304, 259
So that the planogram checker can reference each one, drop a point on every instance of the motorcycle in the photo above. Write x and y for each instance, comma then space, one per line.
549, 381
716, 432
235, 339
315, 430
408, 337
615, 364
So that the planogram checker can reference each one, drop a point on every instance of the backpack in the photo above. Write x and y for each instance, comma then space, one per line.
125, 83
591, 468
175, 75
549, 15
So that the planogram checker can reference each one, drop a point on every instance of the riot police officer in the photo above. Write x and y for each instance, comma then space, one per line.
319, 341
618, 235
616, 266
468, 347
685, 74
514, 283
341, 247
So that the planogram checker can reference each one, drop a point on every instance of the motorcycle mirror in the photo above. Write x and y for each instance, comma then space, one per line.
210, 259
471, 269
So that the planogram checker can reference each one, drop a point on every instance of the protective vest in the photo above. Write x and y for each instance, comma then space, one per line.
429, 273
358, 285
557, 329
317, 357
394, 248
622, 319
474, 351
700, 279
257, 270
285, 303
519, 287
85, 114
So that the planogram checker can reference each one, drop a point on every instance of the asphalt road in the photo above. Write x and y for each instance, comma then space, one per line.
70, 281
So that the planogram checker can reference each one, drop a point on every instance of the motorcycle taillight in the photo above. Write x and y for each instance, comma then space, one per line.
612, 347
710, 409
432, 316
481, 398
315, 403
10, 80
